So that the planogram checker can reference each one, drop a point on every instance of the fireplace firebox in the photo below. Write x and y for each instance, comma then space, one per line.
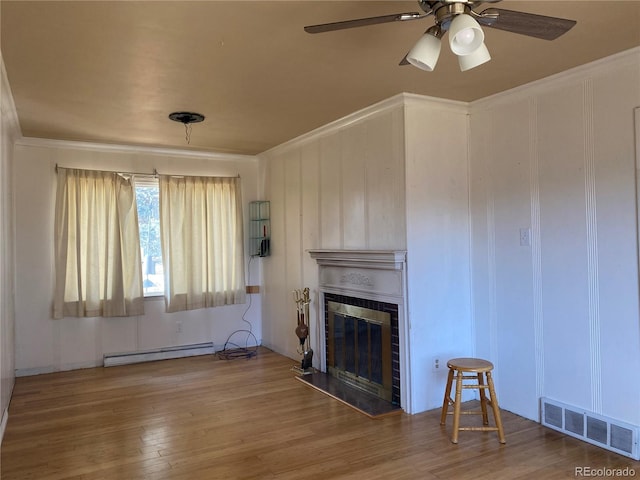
362, 345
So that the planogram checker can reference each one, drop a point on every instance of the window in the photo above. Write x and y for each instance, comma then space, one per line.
148, 203
104, 254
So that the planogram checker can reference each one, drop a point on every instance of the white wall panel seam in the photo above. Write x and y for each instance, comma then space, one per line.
637, 186
365, 173
592, 247
536, 246
492, 267
341, 190
472, 303
300, 215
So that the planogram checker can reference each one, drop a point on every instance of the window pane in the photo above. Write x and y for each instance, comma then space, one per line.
148, 200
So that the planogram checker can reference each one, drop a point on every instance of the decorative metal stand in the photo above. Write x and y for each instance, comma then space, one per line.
302, 300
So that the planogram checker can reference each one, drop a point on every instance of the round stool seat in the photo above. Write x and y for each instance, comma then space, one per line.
470, 364
478, 371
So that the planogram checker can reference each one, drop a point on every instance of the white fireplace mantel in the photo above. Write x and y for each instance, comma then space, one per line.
374, 274
362, 258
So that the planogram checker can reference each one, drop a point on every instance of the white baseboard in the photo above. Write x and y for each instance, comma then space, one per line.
3, 424
114, 359
27, 372
125, 358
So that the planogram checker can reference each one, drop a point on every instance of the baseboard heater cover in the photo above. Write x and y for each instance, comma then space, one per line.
113, 359
619, 437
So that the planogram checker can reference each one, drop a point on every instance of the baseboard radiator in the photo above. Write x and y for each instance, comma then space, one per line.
113, 359
605, 432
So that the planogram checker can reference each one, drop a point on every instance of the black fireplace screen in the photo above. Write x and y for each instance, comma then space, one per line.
362, 345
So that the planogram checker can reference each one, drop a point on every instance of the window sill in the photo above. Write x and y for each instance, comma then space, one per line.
154, 297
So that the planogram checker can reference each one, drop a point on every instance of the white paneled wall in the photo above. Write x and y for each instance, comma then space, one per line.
437, 212
390, 177
557, 312
44, 344
340, 187
9, 132
559, 317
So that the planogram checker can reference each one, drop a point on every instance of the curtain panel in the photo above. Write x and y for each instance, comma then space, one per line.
98, 267
202, 241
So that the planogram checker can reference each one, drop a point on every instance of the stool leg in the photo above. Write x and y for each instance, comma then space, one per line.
483, 398
496, 409
456, 407
447, 395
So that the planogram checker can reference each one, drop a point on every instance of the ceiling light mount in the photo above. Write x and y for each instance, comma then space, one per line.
187, 118
444, 13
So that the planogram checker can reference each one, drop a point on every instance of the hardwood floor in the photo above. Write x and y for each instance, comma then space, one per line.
205, 418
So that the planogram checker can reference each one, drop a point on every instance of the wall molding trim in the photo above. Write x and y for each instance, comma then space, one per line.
636, 113
400, 100
603, 65
536, 247
121, 148
3, 423
492, 266
413, 99
371, 111
592, 246
60, 367
7, 105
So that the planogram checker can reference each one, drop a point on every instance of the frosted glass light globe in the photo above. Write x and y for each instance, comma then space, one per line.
466, 36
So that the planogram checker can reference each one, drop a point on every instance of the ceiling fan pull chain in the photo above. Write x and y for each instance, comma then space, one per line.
186, 118
187, 133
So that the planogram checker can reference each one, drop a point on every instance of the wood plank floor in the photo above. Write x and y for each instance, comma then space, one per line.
204, 418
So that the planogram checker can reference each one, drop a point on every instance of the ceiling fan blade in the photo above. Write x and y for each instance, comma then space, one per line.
363, 22
539, 26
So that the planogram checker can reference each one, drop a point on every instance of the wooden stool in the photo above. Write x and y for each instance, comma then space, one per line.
457, 369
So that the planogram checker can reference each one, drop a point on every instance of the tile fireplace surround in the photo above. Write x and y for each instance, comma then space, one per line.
376, 275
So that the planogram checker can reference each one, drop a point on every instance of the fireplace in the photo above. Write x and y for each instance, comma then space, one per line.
363, 307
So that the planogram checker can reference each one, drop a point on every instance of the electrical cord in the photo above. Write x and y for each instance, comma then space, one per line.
238, 351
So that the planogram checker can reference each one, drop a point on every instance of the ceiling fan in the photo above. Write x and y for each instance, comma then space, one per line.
463, 22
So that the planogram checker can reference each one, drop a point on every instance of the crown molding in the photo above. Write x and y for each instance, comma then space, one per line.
337, 125
434, 103
7, 105
118, 148
400, 100
579, 73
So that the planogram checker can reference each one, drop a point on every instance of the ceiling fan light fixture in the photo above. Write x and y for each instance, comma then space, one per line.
465, 35
424, 54
475, 59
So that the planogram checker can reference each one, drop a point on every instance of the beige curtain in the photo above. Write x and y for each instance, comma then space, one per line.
202, 242
98, 268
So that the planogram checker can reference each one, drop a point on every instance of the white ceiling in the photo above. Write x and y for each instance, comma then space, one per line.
112, 71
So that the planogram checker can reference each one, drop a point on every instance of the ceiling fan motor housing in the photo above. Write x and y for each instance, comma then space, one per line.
445, 12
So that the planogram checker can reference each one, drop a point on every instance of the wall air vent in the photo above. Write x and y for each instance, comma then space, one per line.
605, 432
